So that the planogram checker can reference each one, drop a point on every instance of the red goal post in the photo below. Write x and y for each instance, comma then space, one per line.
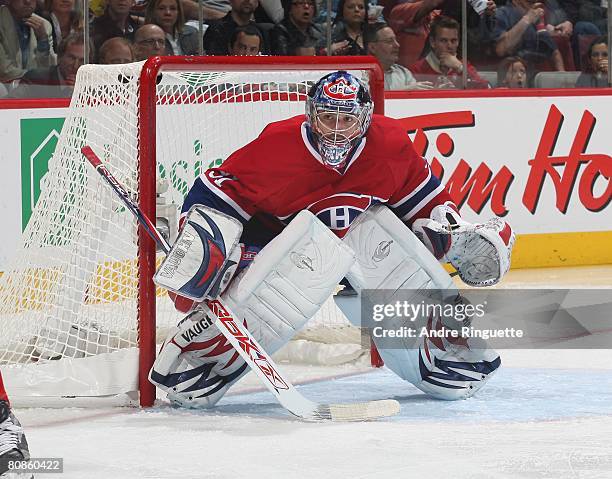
147, 150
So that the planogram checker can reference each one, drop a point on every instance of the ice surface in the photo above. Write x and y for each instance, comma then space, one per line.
545, 414
527, 422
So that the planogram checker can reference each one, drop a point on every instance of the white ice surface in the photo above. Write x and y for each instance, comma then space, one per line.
546, 414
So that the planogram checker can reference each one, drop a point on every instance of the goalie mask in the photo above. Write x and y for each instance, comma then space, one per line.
339, 112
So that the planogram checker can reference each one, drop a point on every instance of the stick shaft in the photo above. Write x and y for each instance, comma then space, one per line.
129, 202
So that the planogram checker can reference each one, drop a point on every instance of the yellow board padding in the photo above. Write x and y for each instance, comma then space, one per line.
29, 290
32, 290
562, 249
116, 281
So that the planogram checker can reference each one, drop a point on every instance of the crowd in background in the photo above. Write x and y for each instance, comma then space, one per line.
510, 43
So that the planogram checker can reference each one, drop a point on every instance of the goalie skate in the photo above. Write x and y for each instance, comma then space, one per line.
13, 443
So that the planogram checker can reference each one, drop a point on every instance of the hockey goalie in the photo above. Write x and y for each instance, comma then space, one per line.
310, 201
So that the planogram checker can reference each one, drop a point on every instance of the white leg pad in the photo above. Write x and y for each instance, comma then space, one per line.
276, 295
289, 280
390, 257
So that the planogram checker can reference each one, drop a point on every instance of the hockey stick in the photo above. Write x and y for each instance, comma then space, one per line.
248, 348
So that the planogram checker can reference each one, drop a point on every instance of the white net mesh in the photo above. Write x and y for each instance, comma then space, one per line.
71, 291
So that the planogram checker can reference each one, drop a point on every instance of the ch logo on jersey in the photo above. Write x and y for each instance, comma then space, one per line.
340, 90
337, 212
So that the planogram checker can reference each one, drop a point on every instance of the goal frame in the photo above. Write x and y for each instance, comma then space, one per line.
147, 164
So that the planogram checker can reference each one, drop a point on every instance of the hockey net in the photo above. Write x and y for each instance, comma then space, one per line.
79, 315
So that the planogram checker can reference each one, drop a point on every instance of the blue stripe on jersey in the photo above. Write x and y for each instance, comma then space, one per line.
404, 208
200, 194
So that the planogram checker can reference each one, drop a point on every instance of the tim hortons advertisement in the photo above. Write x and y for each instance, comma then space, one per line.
543, 164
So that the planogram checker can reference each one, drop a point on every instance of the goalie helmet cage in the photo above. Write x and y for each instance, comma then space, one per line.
74, 263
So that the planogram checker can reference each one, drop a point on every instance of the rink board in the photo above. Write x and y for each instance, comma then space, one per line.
541, 162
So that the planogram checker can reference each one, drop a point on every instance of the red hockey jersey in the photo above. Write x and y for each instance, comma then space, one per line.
280, 173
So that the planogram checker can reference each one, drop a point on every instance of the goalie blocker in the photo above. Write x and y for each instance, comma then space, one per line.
204, 257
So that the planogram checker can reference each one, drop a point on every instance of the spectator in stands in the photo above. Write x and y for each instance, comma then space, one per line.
56, 81
383, 44
181, 39
211, 9
296, 28
149, 40
411, 22
442, 66
595, 73
348, 34
589, 21
96, 7
65, 17
115, 51
512, 73
268, 11
556, 19
374, 11
218, 35
115, 22
520, 30
560, 30
26, 41
246, 41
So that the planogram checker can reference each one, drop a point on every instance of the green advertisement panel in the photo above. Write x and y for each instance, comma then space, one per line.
39, 138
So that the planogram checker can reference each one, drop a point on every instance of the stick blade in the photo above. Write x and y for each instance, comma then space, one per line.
364, 411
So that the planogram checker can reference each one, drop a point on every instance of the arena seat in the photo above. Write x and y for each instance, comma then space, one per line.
555, 79
491, 77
